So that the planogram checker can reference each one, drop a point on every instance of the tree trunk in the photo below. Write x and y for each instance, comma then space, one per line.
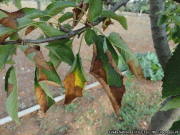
38, 4
162, 120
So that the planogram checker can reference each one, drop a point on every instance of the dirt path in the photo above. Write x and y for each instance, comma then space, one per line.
138, 38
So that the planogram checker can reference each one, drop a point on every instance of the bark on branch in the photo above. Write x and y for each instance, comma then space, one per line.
116, 6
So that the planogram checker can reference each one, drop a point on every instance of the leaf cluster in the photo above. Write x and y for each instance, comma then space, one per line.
150, 65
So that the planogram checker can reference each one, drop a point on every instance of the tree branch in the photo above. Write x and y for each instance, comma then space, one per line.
116, 6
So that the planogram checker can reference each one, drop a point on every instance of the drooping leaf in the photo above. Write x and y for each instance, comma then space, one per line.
43, 95
89, 35
9, 22
111, 50
12, 91
102, 74
29, 30
52, 74
32, 13
75, 81
95, 9
54, 59
62, 51
171, 85
56, 7
126, 53
5, 51
121, 19
5, 32
174, 103
78, 13
175, 126
106, 23
38, 57
65, 17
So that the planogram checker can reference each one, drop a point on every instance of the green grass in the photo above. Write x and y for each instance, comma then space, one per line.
136, 106
61, 129
88, 96
72, 107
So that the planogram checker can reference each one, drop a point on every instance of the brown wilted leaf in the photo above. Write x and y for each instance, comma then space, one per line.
72, 91
137, 71
115, 94
9, 22
38, 58
106, 23
14, 15
4, 37
78, 13
41, 98
10, 89
29, 30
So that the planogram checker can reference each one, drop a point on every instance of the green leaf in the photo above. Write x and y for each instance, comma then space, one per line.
169, 9
31, 57
122, 66
86, 1
5, 51
121, 19
89, 35
46, 90
3, 15
12, 100
65, 17
62, 51
18, 3
111, 50
6, 30
176, 19
171, 86
10, 61
52, 75
14, 36
50, 101
67, 26
95, 8
33, 13
175, 126
56, 7
54, 59
99, 41
113, 78
163, 19
50, 31
174, 103
80, 66
123, 49
7, 77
